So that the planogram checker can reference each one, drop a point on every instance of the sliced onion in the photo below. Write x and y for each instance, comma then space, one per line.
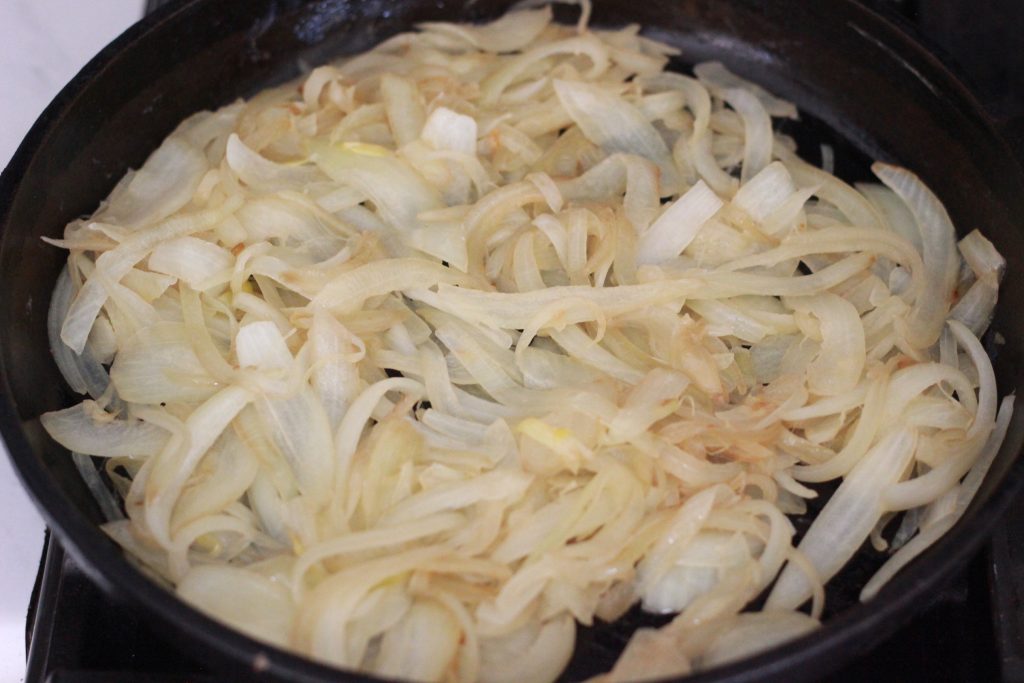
420, 360
533, 653
190, 259
757, 142
163, 185
510, 33
649, 655
848, 518
717, 77
398, 192
446, 129
87, 429
421, 646
938, 252
617, 126
839, 365
253, 604
753, 633
261, 173
404, 108
158, 366
676, 227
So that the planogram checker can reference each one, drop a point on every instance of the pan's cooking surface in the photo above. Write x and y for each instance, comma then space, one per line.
85, 631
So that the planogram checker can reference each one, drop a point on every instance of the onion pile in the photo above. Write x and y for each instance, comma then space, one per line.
414, 364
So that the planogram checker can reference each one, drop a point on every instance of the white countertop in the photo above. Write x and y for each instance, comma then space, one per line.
43, 43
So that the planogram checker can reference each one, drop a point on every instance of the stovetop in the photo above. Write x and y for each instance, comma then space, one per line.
971, 631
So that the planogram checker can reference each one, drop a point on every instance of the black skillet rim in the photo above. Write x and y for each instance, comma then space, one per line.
846, 635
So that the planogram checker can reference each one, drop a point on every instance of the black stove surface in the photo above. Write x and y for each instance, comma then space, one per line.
971, 631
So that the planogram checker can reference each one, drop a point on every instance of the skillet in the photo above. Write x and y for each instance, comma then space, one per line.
863, 86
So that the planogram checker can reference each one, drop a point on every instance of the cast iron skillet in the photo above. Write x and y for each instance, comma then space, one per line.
866, 87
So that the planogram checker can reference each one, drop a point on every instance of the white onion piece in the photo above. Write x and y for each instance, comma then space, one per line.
494, 485
158, 365
398, 192
676, 227
649, 655
765, 192
495, 84
404, 108
533, 653
190, 259
161, 186
300, 429
695, 571
938, 251
517, 310
260, 173
87, 429
894, 211
972, 481
684, 527
242, 599
68, 362
839, 364
655, 397
351, 289
982, 256
112, 265
446, 129
336, 351
148, 286
853, 205
510, 33
176, 461
929, 486
698, 146
965, 493
260, 345
421, 646
847, 519
226, 472
976, 307
363, 541
617, 126
757, 139
274, 217
753, 633
719, 79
